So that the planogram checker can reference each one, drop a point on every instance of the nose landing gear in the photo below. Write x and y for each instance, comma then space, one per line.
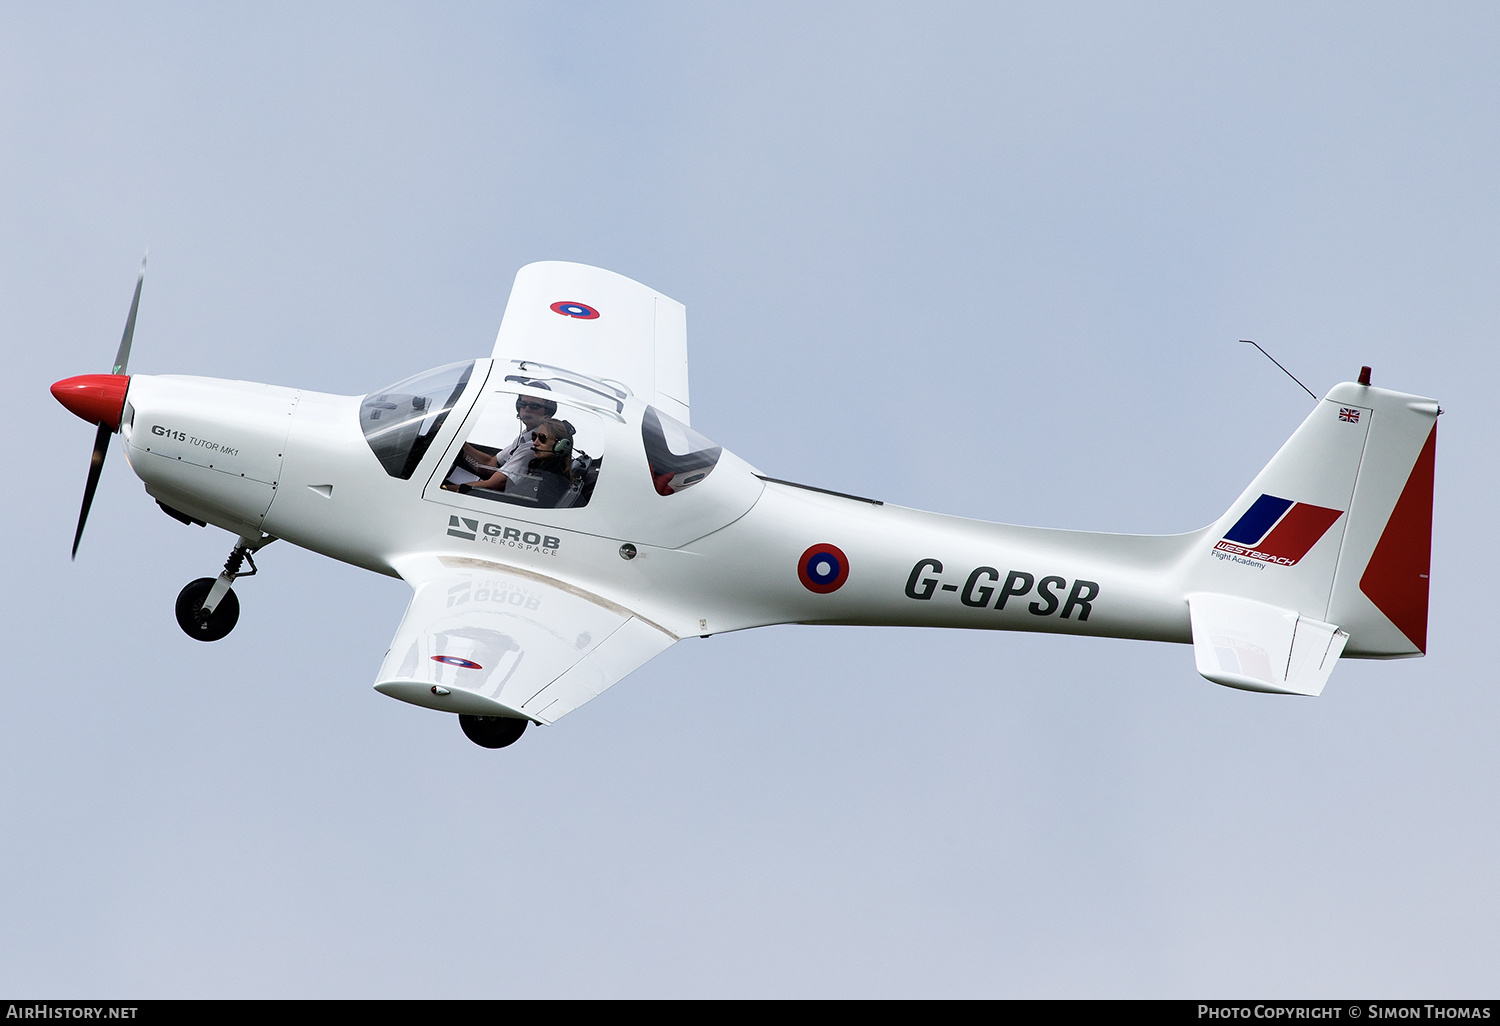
207, 609
190, 611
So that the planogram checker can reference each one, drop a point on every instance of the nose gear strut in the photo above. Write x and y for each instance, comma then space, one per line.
207, 609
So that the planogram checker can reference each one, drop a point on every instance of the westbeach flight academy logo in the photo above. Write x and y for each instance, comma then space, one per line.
1279, 531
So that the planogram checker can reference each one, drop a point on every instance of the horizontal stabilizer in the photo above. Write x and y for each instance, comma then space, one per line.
1242, 643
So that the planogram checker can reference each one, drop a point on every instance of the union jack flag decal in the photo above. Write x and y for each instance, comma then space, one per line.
1349, 414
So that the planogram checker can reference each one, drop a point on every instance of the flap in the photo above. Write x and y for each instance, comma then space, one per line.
601, 324
1245, 644
490, 640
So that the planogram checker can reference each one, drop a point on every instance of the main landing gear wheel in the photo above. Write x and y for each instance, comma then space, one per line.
213, 627
493, 731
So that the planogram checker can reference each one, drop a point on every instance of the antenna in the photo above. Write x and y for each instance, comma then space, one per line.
1273, 359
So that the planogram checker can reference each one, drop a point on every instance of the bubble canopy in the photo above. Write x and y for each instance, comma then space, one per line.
678, 456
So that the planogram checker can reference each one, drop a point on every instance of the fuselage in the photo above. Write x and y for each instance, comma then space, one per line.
735, 550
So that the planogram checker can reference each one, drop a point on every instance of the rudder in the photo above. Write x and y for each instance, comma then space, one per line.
1381, 587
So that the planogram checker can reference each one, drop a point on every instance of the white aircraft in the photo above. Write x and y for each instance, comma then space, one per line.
551, 559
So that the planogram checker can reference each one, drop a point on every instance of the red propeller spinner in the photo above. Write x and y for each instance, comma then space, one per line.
97, 398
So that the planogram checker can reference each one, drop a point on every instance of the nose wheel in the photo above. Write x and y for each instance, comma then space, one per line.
216, 624
207, 609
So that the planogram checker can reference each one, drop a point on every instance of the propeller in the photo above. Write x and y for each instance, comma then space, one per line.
100, 399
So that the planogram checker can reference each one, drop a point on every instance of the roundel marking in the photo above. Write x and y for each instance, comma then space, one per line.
823, 568
582, 311
467, 664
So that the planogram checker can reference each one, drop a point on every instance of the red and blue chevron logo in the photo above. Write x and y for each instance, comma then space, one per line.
1277, 530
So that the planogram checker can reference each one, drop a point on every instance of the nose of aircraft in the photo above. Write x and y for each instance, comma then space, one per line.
97, 398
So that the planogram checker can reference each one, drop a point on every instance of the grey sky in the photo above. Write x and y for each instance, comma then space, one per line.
1030, 238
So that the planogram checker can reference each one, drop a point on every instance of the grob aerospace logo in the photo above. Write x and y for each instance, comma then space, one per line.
469, 529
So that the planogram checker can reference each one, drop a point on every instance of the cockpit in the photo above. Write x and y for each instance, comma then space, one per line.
545, 464
554, 447
539, 435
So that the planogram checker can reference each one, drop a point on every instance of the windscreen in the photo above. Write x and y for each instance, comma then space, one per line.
400, 422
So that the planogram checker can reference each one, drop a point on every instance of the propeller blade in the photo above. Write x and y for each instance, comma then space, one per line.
123, 356
96, 465
96, 396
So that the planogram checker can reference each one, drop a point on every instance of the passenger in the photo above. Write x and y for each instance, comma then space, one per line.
550, 462
552, 442
494, 469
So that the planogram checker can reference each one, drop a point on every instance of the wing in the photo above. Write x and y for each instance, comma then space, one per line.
490, 640
601, 324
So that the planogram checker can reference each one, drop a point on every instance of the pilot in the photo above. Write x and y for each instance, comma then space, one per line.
495, 469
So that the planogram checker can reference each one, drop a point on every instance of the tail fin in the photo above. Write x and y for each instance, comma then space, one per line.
1336, 534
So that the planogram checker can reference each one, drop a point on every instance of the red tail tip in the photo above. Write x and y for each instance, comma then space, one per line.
97, 398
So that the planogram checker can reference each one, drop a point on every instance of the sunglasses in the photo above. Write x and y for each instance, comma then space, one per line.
540, 407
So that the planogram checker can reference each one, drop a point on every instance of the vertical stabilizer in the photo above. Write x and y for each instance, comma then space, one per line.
1335, 532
